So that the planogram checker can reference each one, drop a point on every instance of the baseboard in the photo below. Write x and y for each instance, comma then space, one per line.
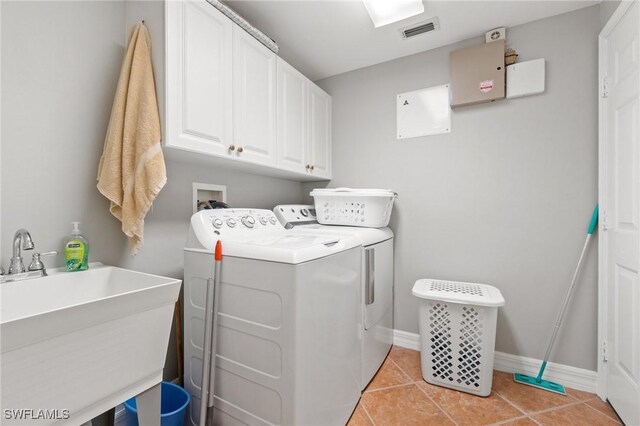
120, 417
407, 340
573, 377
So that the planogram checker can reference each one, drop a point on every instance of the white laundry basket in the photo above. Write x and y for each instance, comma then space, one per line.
458, 333
369, 208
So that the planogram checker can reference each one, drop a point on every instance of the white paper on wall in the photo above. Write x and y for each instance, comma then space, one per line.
424, 112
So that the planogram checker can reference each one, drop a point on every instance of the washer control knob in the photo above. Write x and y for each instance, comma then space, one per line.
264, 220
217, 223
272, 220
248, 221
231, 222
304, 212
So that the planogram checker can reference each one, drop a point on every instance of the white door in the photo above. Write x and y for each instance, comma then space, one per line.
620, 203
254, 99
293, 137
198, 77
319, 132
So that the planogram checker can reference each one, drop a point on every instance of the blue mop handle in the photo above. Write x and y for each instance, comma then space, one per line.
592, 227
594, 220
541, 372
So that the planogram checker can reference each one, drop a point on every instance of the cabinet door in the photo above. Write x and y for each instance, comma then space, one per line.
293, 134
254, 99
319, 132
198, 55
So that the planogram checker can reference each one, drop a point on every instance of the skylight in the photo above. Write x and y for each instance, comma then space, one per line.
384, 12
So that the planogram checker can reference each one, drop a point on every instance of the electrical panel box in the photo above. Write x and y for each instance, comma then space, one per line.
477, 74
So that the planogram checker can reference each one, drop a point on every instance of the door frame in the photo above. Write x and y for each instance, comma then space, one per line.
1, 132
601, 385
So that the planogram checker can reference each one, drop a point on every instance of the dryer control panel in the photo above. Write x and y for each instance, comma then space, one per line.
291, 215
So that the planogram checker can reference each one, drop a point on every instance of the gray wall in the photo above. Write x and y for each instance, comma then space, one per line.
504, 199
607, 8
60, 65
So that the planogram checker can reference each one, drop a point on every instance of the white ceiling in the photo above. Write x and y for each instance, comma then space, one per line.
322, 38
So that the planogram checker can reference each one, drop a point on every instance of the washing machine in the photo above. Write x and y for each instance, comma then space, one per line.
376, 293
287, 341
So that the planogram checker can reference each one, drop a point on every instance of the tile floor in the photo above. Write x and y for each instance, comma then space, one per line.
397, 395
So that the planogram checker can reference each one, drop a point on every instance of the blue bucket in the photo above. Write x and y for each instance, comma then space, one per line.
173, 406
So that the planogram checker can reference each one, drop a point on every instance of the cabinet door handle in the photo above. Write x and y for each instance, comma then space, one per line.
240, 149
308, 167
232, 147
313, 167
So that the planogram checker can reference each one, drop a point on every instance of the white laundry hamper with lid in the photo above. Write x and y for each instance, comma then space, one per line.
369, 208
458, 333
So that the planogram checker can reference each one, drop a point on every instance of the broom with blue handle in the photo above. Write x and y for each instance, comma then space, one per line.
538, 381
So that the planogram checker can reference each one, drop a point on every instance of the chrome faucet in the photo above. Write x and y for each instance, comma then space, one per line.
21, 237
17, 272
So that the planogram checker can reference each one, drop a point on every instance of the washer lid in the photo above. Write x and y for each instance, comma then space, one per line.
257, 234
292, 248
367, 236
458, 292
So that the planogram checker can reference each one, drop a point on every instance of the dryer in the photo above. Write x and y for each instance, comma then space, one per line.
376, 293
287, 349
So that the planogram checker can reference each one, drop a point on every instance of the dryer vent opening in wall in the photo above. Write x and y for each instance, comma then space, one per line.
421, 28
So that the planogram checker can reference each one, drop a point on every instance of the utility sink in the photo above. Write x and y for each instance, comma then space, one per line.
75, 344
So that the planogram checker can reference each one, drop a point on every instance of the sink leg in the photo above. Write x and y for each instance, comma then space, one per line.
148, 404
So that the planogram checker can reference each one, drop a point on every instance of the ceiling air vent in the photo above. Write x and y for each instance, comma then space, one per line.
421, 28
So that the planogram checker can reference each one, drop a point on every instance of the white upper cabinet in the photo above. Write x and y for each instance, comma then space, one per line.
232, 101
254, 99
319, 132
304, 124
293, 118
199, 65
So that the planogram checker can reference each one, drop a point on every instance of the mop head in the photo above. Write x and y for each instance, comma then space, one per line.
540, 384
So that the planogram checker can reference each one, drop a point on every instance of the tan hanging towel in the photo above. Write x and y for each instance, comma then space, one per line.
132, 170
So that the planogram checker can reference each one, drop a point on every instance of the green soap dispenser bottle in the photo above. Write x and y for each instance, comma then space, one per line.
76, 250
